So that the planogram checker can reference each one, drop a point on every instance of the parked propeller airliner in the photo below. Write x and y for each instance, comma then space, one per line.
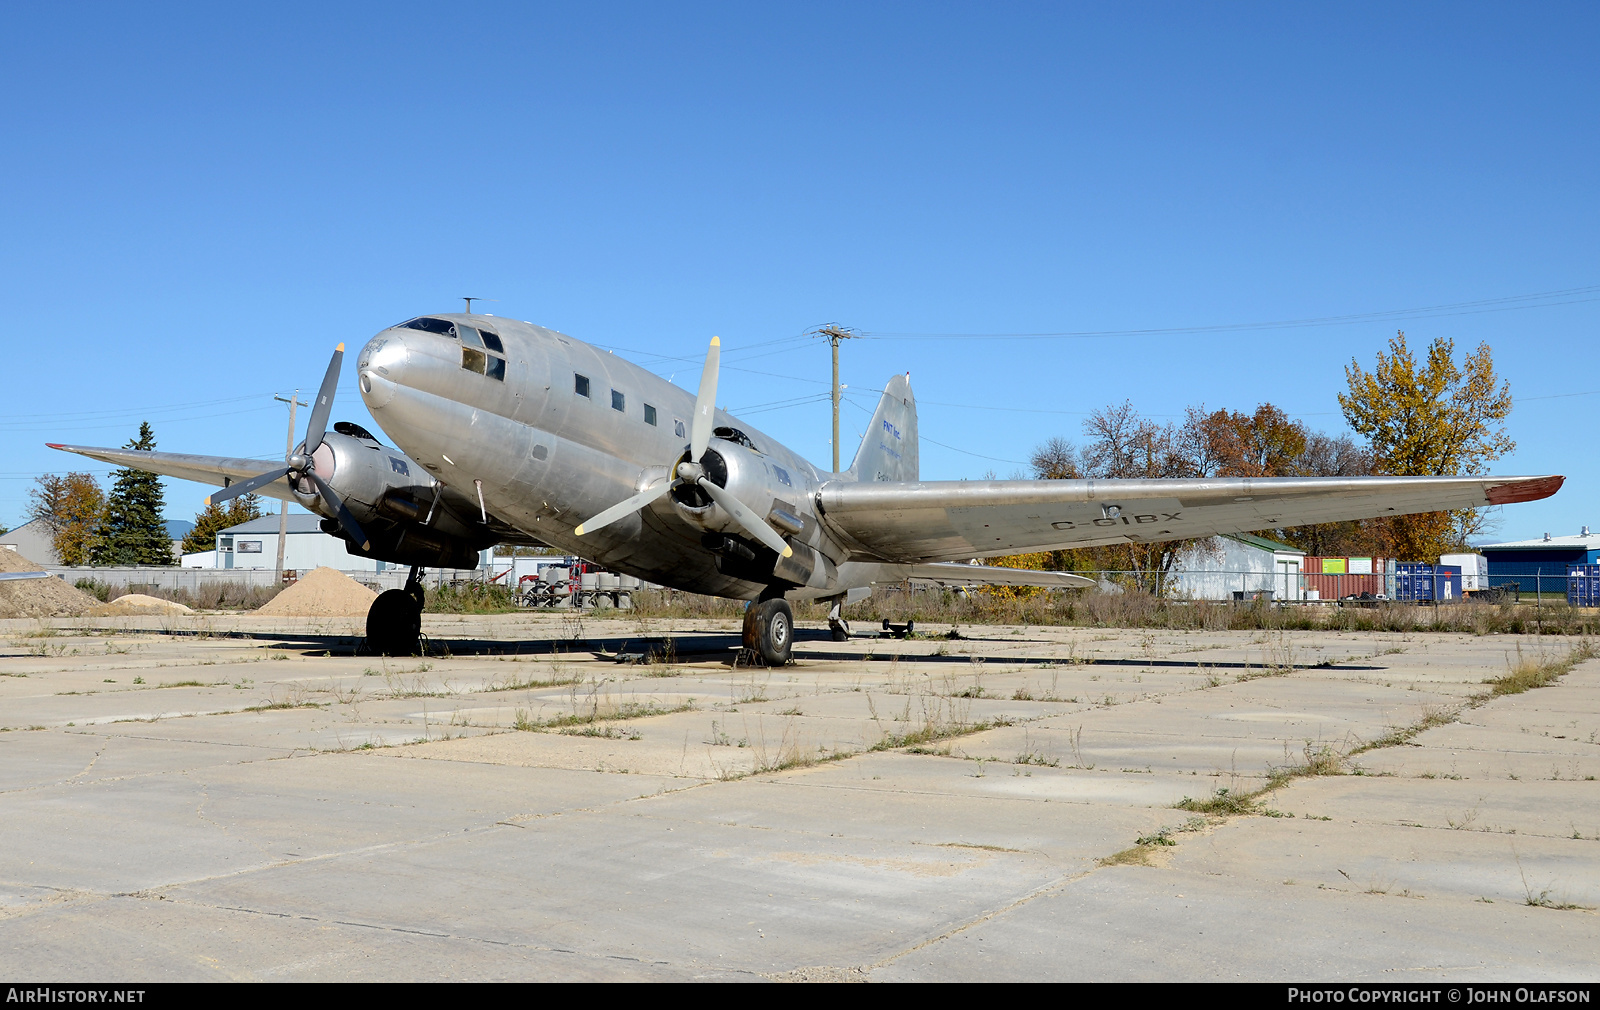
510, 433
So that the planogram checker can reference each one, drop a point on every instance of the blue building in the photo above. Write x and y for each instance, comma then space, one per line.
1543, 563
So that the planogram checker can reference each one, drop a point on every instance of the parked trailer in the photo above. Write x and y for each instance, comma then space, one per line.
577, 585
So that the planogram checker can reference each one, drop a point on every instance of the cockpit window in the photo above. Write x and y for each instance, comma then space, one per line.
497, 368
735, 435
469, 336
473, 360
354, 431
491, 340
427, 324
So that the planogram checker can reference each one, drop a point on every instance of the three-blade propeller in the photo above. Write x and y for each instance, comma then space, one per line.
302, 464
692, 470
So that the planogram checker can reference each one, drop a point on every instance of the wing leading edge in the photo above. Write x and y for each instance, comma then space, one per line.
956, 520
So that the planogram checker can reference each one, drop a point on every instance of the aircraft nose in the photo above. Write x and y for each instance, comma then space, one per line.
382, 366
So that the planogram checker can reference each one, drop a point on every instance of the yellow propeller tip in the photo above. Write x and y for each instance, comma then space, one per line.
208, 500
340, 348
578, 532
788, 552
716, 341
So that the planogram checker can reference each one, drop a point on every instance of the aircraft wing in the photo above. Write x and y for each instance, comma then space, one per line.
214, 470
219, 471
956, 520
953, 574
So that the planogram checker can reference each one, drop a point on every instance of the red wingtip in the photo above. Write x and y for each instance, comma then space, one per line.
1525, 490
52, 445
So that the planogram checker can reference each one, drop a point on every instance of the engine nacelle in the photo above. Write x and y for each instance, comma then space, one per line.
743, 472
366, 474
410, 544
393, 498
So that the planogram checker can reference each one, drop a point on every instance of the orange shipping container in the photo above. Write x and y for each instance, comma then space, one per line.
1336, 578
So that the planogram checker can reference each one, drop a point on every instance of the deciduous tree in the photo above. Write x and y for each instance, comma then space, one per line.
1434, 419
72, 507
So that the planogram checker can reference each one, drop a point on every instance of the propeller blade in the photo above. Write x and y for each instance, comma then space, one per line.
319, 410
753, 524
705, 404
245, 486
624, 508
346, 520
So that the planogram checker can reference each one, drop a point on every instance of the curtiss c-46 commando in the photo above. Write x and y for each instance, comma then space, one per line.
510, 433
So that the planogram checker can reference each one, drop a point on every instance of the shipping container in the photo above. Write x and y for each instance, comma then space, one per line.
1337, 578
1474, 570
1583, 585
1424, 583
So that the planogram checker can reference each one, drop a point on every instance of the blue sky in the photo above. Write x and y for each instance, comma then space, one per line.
200, 201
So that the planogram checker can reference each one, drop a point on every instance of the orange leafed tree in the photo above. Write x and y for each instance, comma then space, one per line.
1430, 419
72, 507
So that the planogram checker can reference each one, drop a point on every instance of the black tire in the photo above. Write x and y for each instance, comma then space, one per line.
769, 631
394, 624
839, 634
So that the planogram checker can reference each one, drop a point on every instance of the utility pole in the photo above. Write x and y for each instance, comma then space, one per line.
834, 333
283, 509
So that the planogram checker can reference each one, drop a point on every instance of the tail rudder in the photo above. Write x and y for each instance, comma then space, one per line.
889, 450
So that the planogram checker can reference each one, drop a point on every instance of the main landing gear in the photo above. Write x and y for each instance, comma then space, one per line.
769, 629
394, 623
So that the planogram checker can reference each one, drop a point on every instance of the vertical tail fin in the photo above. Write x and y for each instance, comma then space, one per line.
889, 450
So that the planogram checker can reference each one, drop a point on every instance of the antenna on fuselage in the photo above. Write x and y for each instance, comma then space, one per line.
475, 298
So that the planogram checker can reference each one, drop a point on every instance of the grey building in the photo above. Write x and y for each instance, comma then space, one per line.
1219, 568
33, 541
254, 544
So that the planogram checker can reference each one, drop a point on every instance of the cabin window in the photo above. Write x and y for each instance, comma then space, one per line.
443, 327
618, 401
677, 427
580, 384
783, 475
649, 414
473, 360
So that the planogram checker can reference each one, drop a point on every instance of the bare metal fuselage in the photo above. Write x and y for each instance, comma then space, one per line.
546, 457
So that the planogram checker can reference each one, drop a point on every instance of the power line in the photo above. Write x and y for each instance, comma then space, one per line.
1543, 299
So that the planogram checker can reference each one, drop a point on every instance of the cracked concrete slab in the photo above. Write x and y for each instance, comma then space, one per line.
880, 810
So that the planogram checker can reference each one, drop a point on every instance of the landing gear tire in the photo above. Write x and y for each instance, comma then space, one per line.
769, 631
394, 624
840, 632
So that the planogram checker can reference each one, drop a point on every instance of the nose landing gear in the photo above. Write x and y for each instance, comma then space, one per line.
394, 622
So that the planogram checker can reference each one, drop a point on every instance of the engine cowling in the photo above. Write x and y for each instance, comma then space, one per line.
392, 497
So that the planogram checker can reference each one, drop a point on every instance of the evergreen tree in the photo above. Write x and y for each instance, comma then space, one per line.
132, 532
219, 517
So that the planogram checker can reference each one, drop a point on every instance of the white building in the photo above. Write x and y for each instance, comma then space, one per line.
1239, 566
254, 544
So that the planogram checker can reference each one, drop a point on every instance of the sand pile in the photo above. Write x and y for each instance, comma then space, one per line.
323, 593
38, 597
134, 604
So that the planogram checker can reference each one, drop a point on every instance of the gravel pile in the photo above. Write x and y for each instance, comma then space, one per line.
38, 597
323, 593
134, 604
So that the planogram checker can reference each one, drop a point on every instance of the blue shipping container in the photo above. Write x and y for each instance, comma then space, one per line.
1423, 583
1583, 586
